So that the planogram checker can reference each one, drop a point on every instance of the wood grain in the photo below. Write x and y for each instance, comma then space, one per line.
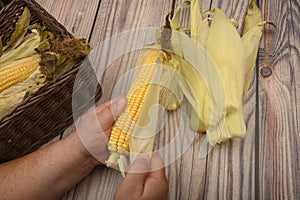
279, 133
294, 42
77, 15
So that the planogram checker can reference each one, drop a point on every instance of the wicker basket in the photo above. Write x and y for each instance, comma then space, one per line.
45, 114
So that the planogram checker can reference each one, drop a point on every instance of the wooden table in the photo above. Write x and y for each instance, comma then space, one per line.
264, 165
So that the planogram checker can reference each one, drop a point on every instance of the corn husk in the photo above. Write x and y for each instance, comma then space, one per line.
199, 27
253, 17
225, 47
20, 30
175, 20
25, 49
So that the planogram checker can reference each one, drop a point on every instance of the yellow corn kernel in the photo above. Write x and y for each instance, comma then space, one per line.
120, 135
19, 72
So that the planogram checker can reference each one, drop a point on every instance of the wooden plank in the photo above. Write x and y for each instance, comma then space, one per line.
77, 16
115, 17
279, 133
294, 42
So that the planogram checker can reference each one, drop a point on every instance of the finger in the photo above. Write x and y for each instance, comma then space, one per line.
110, 111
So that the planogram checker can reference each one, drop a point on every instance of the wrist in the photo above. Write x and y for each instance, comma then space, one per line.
80, 152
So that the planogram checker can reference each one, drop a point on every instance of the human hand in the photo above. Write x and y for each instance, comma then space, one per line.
145, 179
94, 128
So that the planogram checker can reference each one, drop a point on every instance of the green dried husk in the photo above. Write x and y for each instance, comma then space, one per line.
25, 49
61, 54
20, 30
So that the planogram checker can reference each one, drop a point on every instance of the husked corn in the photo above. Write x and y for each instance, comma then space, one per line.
119, 141
120, 135
18, 73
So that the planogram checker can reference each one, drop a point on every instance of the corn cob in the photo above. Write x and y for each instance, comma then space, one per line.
18, 72
119, 141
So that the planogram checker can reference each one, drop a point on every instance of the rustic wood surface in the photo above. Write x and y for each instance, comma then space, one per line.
264, 165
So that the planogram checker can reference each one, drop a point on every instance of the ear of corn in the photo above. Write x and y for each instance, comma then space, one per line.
200, 100
17, 73
120, 138
225, 47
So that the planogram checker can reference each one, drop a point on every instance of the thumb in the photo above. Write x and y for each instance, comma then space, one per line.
109, 111
139, 169
136, 176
